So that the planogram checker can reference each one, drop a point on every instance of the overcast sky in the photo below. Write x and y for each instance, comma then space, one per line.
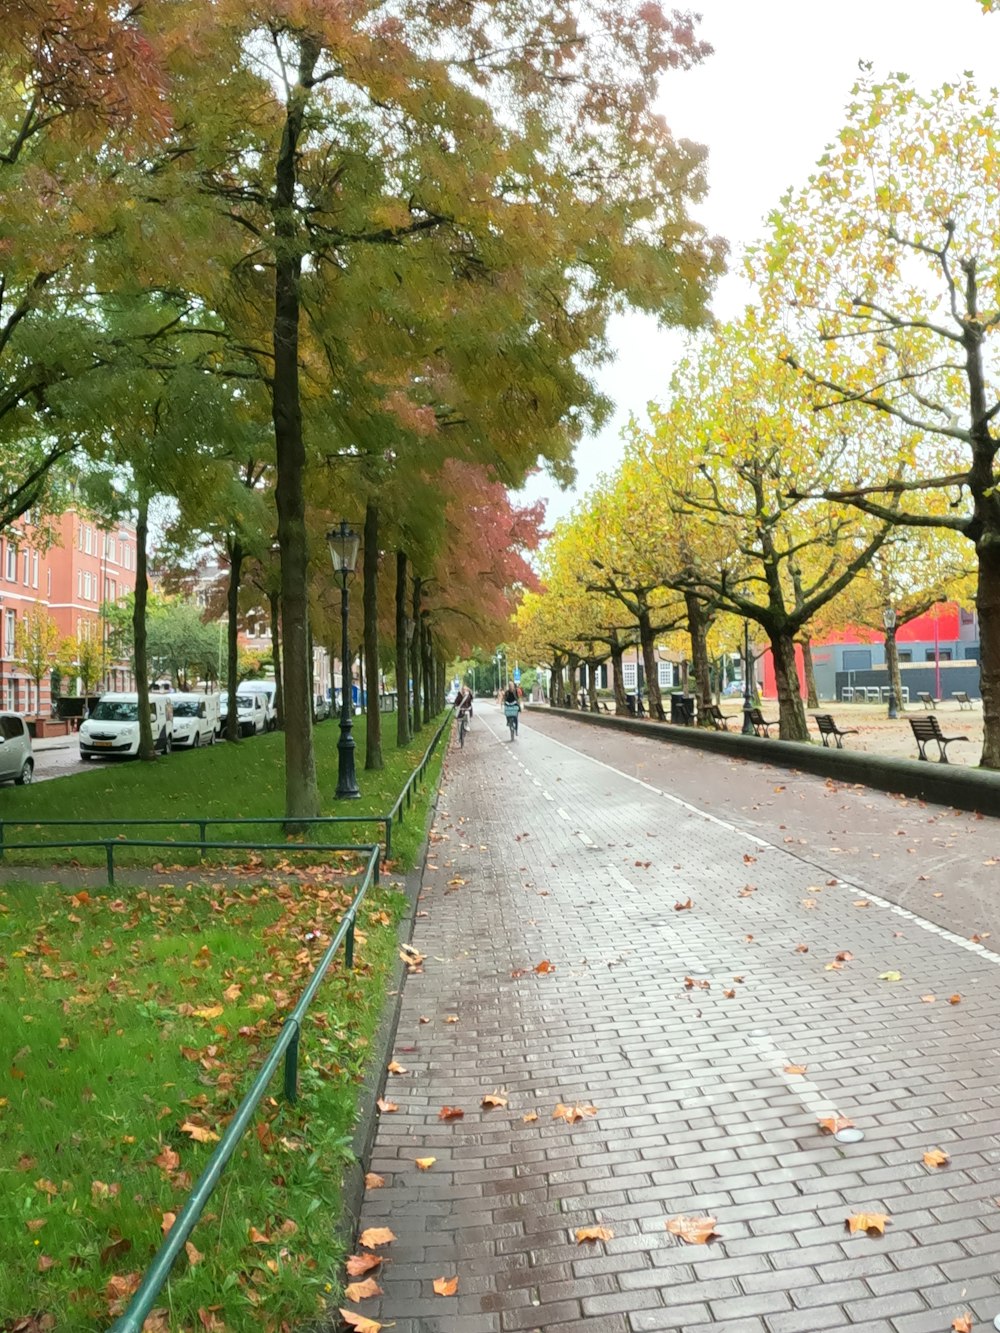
766, 104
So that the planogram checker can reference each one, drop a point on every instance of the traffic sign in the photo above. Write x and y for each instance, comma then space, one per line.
517, 675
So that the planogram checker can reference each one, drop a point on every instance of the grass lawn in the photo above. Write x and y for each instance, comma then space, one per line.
133, 1022
242, 780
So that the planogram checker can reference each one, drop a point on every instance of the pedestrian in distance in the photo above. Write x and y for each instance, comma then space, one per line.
511, 709
463, 711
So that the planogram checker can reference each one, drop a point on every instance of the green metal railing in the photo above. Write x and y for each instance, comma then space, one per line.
203, 824
287, 1046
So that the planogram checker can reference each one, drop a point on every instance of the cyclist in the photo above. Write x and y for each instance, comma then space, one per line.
511, 709
463, 710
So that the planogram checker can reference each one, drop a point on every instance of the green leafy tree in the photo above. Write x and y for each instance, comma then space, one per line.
36, 644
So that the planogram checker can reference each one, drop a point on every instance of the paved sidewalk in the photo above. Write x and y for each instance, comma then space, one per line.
545, 853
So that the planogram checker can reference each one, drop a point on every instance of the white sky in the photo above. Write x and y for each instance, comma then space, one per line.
766, 104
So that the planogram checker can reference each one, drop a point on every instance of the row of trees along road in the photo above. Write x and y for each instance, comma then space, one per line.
834, 452
283, 263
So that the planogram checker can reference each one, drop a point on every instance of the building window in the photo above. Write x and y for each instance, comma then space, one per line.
941, 655
904, 655
9, 631
665, 674
88, 539
48, 584
27, 569
628, 675
34, 569
111, 549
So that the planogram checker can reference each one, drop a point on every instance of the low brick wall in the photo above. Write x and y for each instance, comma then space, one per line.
943, 784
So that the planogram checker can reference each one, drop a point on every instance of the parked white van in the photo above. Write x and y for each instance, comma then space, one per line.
16, 761
251, 711
113, 726
196, 719
268, 688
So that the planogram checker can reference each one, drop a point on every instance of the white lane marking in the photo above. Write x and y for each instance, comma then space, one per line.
620, 879
586, 841
536, 782
764, 845
562, 814
815, 1101
548, 796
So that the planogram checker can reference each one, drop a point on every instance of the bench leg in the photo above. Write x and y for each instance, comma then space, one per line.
840, 743
943, 750
923, 752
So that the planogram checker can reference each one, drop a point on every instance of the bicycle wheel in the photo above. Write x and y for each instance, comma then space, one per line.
463, 727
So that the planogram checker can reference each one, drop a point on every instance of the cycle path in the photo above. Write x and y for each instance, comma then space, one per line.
707, 1095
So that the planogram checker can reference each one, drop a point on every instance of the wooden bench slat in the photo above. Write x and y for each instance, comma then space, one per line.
929, 729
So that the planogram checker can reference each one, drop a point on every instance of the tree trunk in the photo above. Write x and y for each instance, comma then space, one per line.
428, 652
373, 731
274, 603
892, 665
806, 644
592, 685
791, 714
988, 610
617, 679
402, 657
147, 745
301, 790
556, 682
416, 654
698, 632
235, 550
653, 697
572, 685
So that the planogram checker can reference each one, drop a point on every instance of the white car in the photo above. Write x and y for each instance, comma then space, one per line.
113, 727
17, 763
196, 719
268, 688
251, 712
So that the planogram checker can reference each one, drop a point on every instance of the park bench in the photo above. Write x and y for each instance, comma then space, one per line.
760, 723
604, 706
963, 700
926, 699
929, 729
828, 728
717, 717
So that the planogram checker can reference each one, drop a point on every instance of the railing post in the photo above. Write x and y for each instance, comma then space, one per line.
109, 852
202, 827
349, 947
292, 1067
388, 837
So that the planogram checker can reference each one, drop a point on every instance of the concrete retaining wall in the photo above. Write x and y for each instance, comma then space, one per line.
944, 784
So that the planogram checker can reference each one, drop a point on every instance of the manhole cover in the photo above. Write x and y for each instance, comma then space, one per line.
850, 1135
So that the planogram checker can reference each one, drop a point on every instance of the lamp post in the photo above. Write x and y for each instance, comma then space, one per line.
343, 543
889, 621
638, 679
747, 696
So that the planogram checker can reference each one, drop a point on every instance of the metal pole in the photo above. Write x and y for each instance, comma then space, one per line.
638, 681
747, 696
347, 782
937, 657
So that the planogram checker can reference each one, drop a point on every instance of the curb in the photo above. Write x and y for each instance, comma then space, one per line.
373, 1086
977, 790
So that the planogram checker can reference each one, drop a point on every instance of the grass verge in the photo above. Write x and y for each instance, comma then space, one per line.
222, 781
134, 1024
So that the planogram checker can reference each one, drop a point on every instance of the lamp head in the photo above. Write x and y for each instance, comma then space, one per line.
343, 542
889, 617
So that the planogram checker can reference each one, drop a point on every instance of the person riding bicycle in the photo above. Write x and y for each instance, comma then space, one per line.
511, 709
463, 711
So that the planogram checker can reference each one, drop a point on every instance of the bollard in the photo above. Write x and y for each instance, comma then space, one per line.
292, 1068
388, 837
109, 852
202, 826
349, 947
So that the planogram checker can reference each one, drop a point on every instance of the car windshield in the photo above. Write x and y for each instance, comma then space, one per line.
115, 710
244, 701
186, 707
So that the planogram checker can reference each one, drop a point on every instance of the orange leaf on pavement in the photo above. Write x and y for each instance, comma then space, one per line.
954, 999
385, 1106
529, 1116
684, 906
796, 1069
359, 1321
693, 1230
962, 1323
928, 999
802, 948
544, 966
873, 1224
362, 1263
936, 1157
446, 1286
835, 1123
450, 1113
375, 1236
425, 1163
592, 1233
495, 1098
373, 1181
394, 1067
572, 1113
362, 1291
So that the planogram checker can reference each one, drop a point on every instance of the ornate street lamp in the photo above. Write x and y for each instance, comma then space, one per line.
343, 542
889, 621
747, 696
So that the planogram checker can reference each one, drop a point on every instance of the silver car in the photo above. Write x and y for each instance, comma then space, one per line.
17, 763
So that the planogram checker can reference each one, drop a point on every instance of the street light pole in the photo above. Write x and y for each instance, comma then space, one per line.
889, 621
638, 680
343, 543
747, 696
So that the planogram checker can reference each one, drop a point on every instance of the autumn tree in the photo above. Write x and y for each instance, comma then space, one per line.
884, 271
36, 644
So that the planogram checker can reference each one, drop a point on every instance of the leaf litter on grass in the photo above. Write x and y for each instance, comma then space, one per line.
138, 1021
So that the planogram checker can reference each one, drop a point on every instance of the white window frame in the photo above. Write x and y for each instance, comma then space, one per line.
628, 675
34, 569
9, 632
665, 674
10, 568
26, 570
88, 540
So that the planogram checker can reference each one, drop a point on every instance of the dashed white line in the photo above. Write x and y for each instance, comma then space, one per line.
620, 879
562, 814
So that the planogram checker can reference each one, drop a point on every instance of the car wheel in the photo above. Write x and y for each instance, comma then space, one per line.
168, 745
196, 740
26, 773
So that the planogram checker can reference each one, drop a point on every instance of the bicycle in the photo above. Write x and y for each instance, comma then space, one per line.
463, 726
510, 712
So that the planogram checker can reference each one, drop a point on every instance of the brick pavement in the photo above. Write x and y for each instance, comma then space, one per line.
545, 854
